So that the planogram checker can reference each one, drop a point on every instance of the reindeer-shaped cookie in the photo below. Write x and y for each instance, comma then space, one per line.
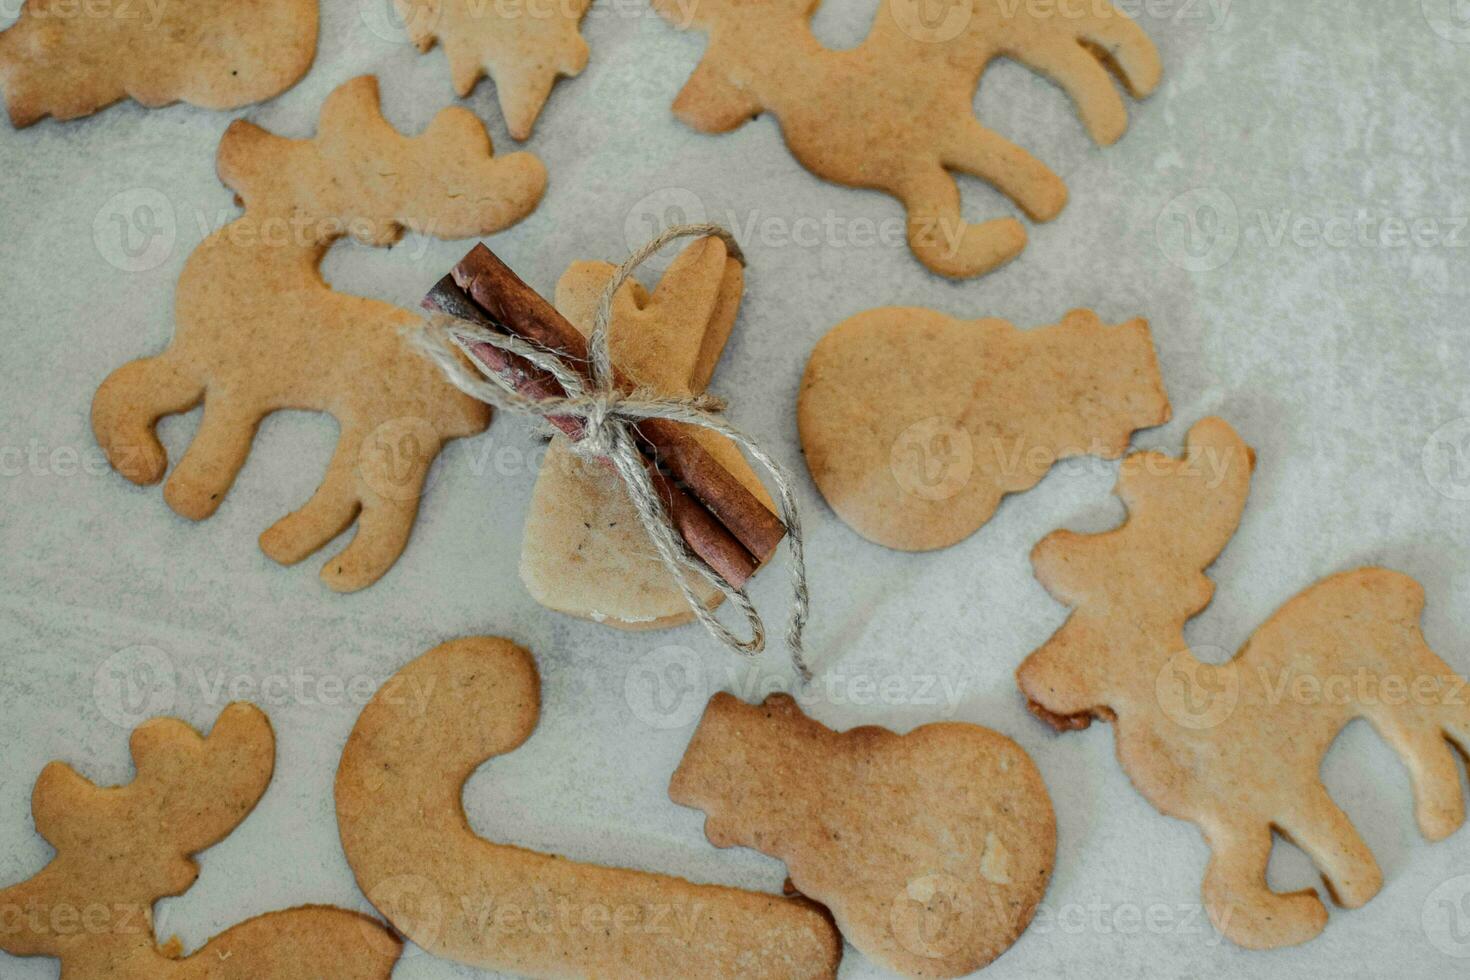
585, 552
895, 113
524, 47
68, 59
119, 850
915, 425
1236, 748
259, 330
932, 849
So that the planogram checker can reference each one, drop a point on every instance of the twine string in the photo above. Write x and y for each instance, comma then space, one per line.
608, 415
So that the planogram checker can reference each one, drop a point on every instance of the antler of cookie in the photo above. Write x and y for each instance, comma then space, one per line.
524, 50
497, 907
895, 113
932, 849
119, 850
585, 552
1218, 745
68, 59
259, 330
914, 424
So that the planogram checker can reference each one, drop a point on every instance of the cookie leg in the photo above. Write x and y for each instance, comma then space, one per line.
1430, 727
1079, 73
1014, 172
1126, 48
943, 240
523, 88
1321, 829
127, 407
208, 469
327, 514
1243, 907
383, 527
1434, 769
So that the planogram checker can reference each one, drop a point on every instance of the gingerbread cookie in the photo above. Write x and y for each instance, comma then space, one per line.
507, 908
1236, 748
524, 49
119, 850
895, 113
585, 552
259, 330
932, 849
915, 424
65, 58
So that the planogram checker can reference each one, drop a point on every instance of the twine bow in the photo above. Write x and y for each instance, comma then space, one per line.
608, 415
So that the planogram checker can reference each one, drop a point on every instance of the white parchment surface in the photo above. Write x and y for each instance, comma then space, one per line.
1289, 211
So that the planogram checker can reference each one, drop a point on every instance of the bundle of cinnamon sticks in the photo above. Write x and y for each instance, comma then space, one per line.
721, 521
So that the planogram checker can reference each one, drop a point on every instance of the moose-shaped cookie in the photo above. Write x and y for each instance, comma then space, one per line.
915, 424
932, 849
499, 907
66, 59
1236, 748
260, 331
524, 47
585, 552
119, 850
895, 113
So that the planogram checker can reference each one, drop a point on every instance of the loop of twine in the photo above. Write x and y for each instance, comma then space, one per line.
608, 415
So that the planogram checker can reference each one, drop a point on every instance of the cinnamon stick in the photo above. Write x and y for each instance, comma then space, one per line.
723, 523
706, 537
495, 288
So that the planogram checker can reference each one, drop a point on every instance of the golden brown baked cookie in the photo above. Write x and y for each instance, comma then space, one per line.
1236, 748
260, 331
895, 113
932, 849
67, 58
524, 46
498, 907
585, 552
915, 424
119, 850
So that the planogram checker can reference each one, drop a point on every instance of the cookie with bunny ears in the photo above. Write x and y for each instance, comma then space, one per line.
584, 551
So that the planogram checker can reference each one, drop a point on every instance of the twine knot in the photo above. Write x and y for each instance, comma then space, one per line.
598, 416
607, 416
